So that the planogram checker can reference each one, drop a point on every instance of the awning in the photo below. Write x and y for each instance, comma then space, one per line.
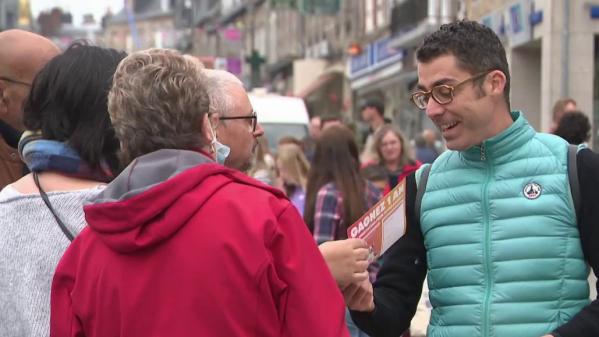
321, 81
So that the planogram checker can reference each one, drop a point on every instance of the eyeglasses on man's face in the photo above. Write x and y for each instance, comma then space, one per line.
13, 81
442, 94
252, 117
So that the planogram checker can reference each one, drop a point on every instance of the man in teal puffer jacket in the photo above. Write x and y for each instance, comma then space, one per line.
496, 232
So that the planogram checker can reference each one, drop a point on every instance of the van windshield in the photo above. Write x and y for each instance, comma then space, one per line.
274, 132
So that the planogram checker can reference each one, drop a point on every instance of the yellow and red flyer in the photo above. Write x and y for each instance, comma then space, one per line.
383, 224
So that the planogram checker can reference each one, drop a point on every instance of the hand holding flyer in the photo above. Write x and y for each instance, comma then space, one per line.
383, 224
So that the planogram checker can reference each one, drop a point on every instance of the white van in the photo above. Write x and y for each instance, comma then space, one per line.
280, 116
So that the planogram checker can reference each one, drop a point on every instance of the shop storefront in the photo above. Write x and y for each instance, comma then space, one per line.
552, 51
388, 74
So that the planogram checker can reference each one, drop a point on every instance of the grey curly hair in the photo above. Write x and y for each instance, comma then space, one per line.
157, 101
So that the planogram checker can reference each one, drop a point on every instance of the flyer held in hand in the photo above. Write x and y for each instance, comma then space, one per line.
383, 224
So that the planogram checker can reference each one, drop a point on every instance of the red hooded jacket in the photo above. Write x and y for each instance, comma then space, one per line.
180, 246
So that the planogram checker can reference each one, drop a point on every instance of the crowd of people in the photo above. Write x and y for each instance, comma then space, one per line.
139, 198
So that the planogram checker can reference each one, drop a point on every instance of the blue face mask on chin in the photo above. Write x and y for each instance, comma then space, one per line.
221, 151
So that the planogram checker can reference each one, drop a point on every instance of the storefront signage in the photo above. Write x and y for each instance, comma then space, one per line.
514, 22
375, 55
518, 27
360, 62
495, 22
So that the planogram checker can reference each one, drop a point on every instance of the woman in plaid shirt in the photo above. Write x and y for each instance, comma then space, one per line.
337, 195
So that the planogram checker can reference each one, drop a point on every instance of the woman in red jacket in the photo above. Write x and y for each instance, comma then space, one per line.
394, 155
179, 245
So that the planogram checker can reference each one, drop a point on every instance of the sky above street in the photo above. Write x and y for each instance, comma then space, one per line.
78, 7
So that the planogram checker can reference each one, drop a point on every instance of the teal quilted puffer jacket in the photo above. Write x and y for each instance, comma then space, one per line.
503, 246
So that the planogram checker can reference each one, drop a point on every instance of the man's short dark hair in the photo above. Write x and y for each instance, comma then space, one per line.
374, 103
476, 48
574, 127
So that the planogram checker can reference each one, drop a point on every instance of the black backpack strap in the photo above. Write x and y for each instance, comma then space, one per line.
573, 179
421, 188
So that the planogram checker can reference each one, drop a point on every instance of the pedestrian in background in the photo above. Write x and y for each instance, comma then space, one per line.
330, 120
424, 153
337, 195
574, 127
72, 155
292, 167
394, 155
377, 175
561, 107
263, 164
309, 142
289, 140
432, 141
373, 114
22, 55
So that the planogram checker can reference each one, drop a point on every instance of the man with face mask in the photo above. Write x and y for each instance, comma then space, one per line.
234, 140
496, 227
178, 245
233, 123
22, 55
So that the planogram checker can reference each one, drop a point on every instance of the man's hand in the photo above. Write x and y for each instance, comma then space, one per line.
548, 336
347, 260
360, 296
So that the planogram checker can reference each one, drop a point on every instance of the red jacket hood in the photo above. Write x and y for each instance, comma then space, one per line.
149, 202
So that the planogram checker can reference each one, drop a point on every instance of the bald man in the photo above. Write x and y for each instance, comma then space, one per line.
22, 55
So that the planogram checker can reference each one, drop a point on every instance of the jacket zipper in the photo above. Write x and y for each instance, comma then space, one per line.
486, 329
483, 155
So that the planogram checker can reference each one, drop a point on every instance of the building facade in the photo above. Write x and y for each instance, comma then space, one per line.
217, 33
552, 47
144, 24
281, 46
385, 67
16, 14
9, 14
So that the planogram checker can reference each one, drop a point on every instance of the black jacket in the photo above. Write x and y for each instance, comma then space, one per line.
10, 135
